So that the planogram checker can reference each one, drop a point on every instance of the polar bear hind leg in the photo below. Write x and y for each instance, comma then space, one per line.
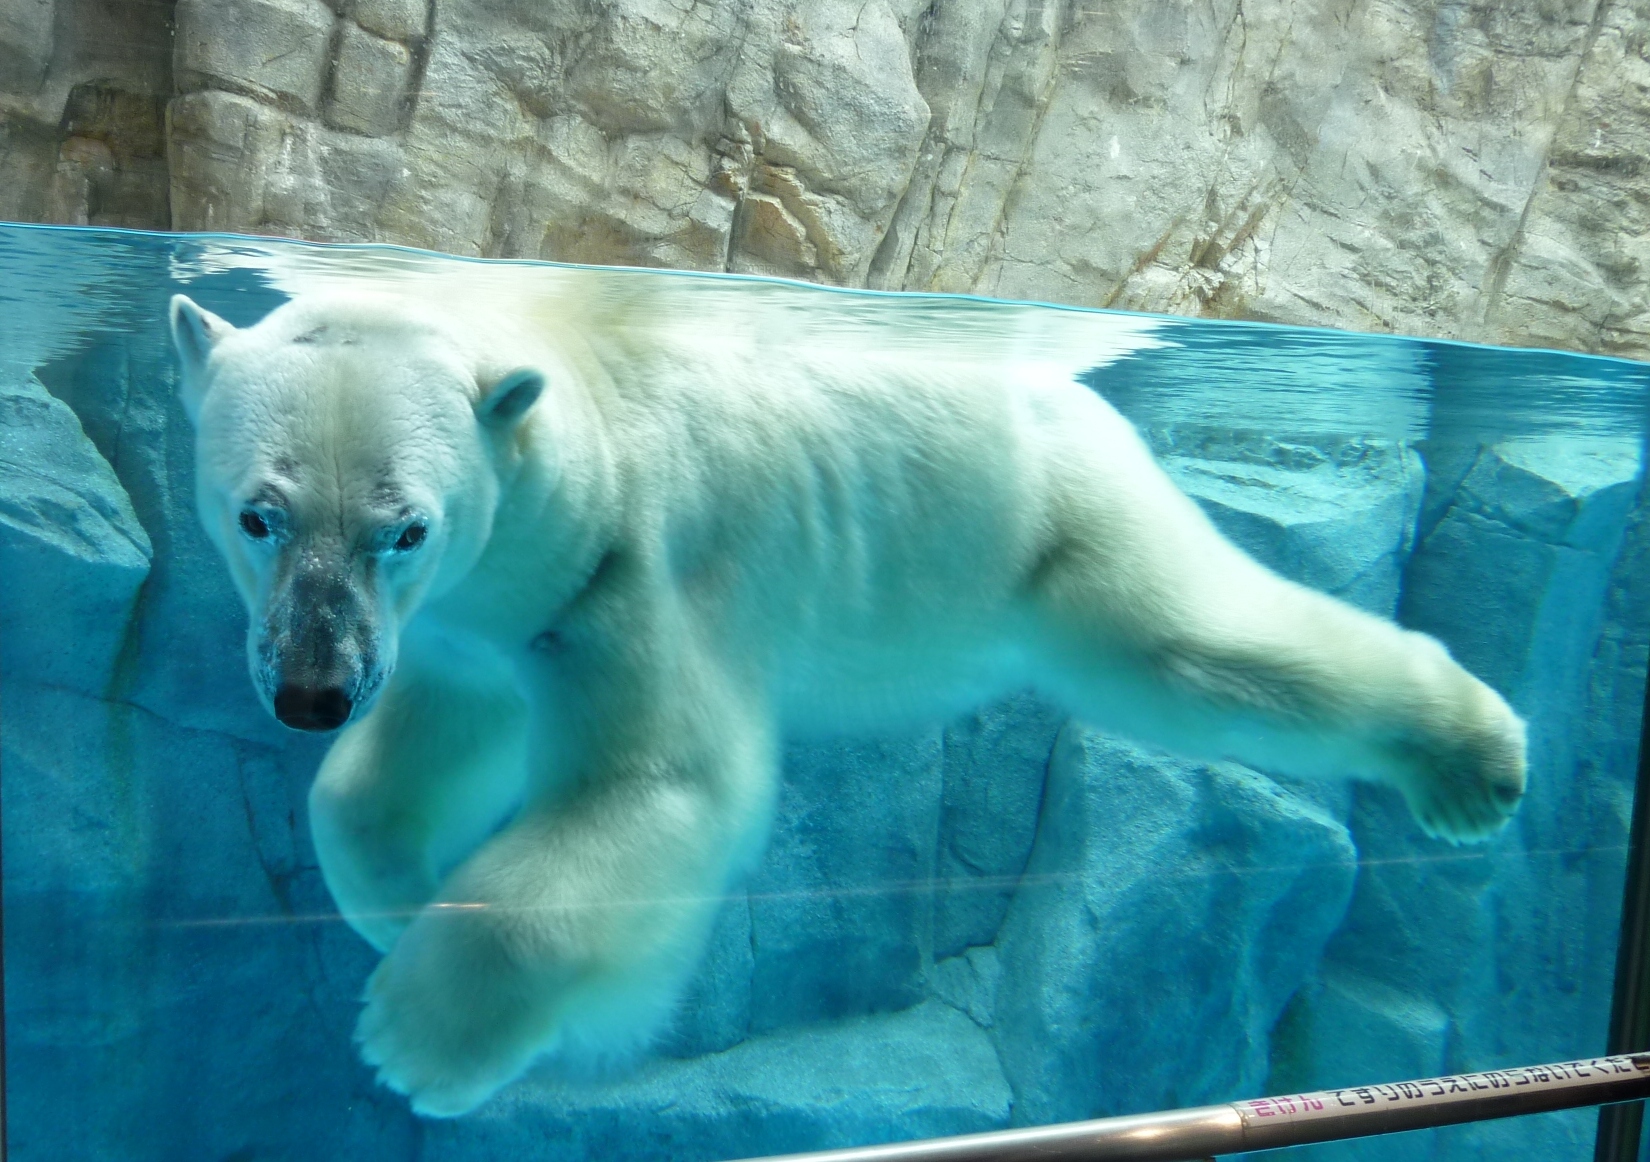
1150, 623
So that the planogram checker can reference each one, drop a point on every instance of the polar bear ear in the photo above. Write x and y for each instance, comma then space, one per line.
508, 399
194, 333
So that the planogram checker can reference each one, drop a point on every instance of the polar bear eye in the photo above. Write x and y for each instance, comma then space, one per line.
254, 525
411, 537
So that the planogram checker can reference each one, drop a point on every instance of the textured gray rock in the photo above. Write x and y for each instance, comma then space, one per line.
25, 43
1435, 167
83, 92
274, 50
402, 20
369, 82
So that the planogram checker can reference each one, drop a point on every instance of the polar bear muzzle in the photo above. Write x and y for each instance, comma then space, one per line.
319, 655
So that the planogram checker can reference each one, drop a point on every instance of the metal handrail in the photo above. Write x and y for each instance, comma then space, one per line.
1296, 1120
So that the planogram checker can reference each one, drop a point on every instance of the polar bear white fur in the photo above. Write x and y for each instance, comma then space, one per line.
566, 569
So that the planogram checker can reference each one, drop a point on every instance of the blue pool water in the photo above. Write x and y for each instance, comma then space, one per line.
1001, 920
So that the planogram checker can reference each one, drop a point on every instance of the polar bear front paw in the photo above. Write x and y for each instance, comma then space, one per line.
448, 1019
1466, 783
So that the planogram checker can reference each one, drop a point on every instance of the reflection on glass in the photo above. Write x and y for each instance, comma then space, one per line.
952, 924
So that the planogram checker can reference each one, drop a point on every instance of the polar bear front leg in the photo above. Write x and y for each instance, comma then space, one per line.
414, 787
573, 929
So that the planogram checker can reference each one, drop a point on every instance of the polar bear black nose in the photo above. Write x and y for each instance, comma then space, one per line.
305, 708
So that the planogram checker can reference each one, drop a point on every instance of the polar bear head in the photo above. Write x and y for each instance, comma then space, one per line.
347, 468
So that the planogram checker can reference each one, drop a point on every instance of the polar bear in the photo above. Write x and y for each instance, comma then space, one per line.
564, 569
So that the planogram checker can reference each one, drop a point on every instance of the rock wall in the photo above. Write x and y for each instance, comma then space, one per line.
83, 91
1457, 168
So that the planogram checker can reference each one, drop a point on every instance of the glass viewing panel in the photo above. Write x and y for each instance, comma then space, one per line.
958, 921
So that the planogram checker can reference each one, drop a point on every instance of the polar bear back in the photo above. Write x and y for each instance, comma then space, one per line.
872, 519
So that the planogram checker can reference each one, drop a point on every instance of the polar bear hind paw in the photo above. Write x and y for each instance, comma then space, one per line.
1466, 791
